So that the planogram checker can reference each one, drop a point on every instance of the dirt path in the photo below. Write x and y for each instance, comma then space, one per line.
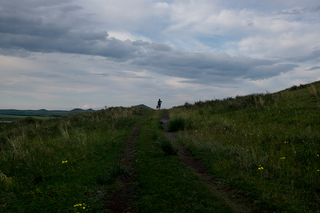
237, 205
120, 201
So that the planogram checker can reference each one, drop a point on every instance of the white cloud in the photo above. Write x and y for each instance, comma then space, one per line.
41, 96
127, 36
283, 45
10, 64
103, 52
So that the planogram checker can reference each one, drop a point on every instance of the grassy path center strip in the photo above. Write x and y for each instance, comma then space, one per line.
120, 200
166, 185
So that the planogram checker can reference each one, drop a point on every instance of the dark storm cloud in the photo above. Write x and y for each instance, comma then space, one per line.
206, 68
267, 71
160, 47
71, 8
292, 11
315, 8
313, 56
14, 25
298, 11
140, 43
314, 68
28, 28
32, 4
89, 36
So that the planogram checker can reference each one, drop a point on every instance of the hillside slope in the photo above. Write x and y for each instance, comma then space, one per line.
255, 153
265, 146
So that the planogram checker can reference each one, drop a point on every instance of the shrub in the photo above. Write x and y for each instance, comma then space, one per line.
302, 86
187, 105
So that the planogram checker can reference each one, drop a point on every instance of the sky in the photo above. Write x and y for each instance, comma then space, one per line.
65, 54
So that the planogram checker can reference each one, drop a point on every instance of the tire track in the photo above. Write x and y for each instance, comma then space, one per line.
236, 204
120, 200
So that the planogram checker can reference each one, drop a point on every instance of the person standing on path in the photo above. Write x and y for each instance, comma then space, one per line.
159, 104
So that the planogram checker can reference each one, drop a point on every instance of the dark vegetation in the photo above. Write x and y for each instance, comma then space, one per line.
43, 112
8, 115
63, 165
166, 145
163, 184
261, 147
266, 146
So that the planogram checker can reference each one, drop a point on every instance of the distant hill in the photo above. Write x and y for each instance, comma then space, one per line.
82, 110
144, 106
43, 112
49, 113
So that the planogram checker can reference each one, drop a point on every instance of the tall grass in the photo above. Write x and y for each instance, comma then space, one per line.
167, 146
264, 145
176, 124
49, 166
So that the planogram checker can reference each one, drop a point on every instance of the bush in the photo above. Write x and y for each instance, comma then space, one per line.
166, 145
187, 105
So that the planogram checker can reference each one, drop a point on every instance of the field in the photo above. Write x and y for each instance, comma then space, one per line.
53, 165
254, 153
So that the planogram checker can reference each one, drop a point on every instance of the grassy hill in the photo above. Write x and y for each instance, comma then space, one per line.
13, 114
43, 114
262, 149
53, 165
266, 146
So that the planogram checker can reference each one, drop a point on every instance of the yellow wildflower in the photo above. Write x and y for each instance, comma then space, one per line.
8, 181
282, 158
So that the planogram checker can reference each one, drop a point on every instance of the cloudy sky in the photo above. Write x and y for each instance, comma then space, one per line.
63, 54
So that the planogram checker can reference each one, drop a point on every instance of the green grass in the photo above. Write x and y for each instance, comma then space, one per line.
166, 145
54, 165
176, 124
164, 184
263, 147
266, 146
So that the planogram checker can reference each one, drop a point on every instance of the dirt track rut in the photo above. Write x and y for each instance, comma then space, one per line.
120, 201
237, 205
